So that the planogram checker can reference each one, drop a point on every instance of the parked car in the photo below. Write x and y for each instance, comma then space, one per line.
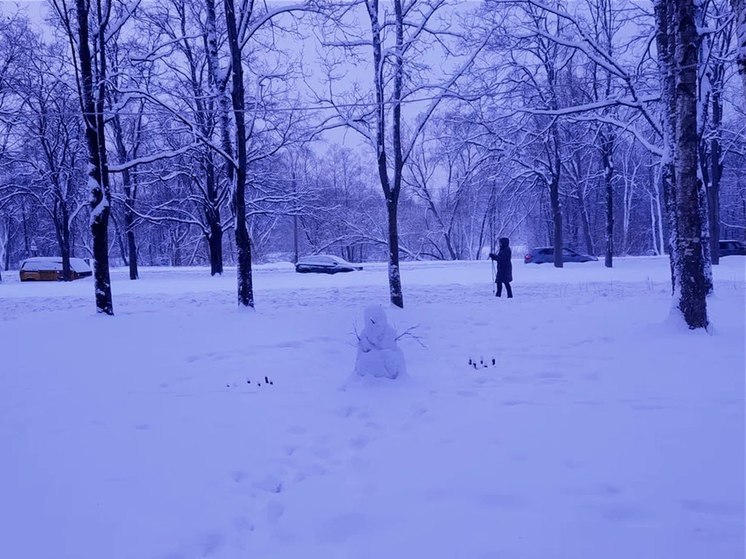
49, 268
324, 264
542, 255
731, 248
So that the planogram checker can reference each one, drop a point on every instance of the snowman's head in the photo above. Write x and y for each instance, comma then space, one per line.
375, 316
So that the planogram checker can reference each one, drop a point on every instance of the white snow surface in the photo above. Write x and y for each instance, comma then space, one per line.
604, 430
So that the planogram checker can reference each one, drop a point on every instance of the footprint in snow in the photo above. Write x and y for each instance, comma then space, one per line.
243, 524
210, 543
501, 500
359, 442
605, 490
238, 476
418, 411
269, 484
714, 508
341, 528
622, 513
347, 411
274, 510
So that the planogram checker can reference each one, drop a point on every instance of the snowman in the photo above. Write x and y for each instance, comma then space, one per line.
378, 355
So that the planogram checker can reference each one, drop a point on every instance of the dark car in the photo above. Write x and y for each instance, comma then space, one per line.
324, 264
543, 255
731, 248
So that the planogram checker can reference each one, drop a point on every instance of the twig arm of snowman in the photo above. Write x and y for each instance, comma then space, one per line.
408, 333
363, 342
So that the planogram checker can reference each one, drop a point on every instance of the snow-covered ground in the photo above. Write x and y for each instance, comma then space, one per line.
603, 430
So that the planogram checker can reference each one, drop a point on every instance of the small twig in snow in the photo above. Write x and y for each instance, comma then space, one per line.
408, 334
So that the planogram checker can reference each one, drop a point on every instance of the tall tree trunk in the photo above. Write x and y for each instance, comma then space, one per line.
63, 236
243, 245
120, 240
607, 149
131, 246
215, 246
586, 223
739, 11
26, 240
212, 215
391, 192
295, 215
665, 45
218, 84
92, 102
556, 209
395, 289
130, 191
4, 242
692, 295
716, 173
556, 164
705, 73
6, 247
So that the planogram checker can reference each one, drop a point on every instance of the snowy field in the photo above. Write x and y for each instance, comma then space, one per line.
603, 430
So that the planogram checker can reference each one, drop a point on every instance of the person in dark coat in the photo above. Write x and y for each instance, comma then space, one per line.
504, 268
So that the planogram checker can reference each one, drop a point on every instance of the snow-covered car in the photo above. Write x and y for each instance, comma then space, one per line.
324, 264
543, 255
49, 268
731, 248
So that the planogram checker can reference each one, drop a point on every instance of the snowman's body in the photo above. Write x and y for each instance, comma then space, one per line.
378, 354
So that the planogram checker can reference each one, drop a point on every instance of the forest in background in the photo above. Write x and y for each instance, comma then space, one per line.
216, 133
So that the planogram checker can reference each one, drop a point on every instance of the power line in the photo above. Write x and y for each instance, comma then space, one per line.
301, 108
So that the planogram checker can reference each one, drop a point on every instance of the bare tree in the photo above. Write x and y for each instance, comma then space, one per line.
88, 27
50, 159
713, 19
739, 12
677, 52
396, 39
127, 131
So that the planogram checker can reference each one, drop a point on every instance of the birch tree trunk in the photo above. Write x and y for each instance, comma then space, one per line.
692, 293
218, 83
